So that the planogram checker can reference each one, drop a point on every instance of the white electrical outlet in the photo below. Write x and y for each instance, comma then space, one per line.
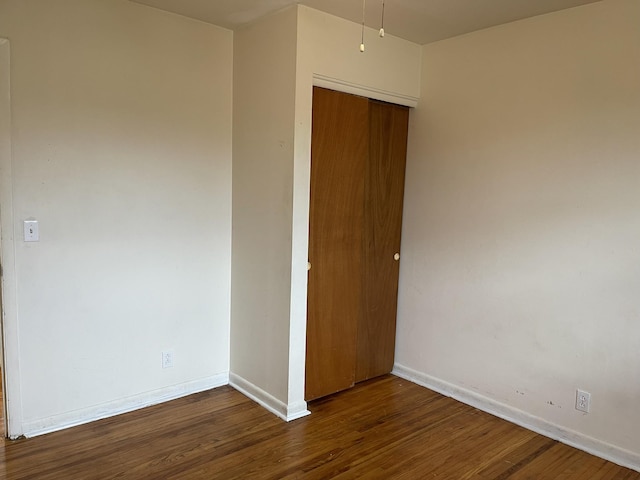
167, 359
583, 401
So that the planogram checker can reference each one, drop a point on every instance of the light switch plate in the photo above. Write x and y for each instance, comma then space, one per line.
31, 231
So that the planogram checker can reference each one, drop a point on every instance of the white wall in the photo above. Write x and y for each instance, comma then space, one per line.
121, 129
328, 48
263, 128
521, 243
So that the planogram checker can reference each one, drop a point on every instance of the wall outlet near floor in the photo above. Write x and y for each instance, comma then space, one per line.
167, 358
583, 401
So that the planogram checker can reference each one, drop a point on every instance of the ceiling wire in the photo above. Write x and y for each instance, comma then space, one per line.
364, 4
364, 7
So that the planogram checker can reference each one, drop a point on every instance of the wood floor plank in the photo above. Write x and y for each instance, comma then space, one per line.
386, 428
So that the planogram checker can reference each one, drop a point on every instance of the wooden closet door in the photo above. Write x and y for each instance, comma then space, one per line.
383, 195
339, 150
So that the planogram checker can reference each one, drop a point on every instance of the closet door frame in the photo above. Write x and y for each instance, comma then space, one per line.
357, 167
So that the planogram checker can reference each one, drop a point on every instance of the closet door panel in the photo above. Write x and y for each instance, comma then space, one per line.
383, 193
338, 156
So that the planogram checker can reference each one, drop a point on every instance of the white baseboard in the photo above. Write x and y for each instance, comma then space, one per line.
268, 401
539, 425
117, 407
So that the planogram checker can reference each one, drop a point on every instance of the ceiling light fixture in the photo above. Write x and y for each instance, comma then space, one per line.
382, 21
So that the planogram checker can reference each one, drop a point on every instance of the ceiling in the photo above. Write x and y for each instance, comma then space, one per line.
420, 21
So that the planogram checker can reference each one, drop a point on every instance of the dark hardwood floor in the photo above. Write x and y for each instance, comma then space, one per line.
382, 429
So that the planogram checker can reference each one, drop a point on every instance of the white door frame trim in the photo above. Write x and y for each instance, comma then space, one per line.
9, 318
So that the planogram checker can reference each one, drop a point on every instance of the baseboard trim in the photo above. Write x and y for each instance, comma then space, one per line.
575, 439
286, 412
118, 407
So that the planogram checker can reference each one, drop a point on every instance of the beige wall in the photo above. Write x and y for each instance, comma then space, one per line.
521, 243
121, 128
328, 47
264, 95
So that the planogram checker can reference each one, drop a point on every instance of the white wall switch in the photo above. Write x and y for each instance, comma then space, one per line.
31, 231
